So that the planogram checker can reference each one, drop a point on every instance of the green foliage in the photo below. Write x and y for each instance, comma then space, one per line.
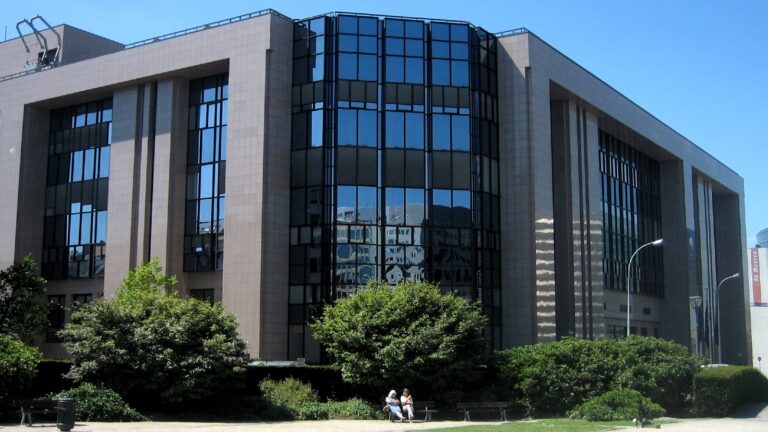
18, 366
553, 378
292, 399
659, 369
96, 403
353, 409
290, 393
718, 391
411, 334
22, 311
312, 411
619, 404
152, 346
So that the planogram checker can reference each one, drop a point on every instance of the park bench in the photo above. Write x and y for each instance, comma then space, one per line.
466, 407
36, 406
426, 408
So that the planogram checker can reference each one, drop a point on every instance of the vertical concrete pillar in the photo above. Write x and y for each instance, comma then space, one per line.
734, 296
145, 177
32, 180
518, 272
577, 221
166, 239
706, 264
678, 227
255, 279
122, 211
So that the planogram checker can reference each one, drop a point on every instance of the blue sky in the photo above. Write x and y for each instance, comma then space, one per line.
699, 66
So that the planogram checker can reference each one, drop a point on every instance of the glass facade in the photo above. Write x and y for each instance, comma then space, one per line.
394, 172
206, 173
77, 183
631, 206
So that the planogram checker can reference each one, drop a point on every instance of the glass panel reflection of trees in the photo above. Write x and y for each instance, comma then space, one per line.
206, 173
75, 225
386, 185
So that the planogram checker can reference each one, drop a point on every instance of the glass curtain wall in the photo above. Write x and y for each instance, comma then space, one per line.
206, 172
394, 164
77, 183
631, 206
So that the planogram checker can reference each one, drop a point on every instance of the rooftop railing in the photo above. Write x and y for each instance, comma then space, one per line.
513, 32
206, 27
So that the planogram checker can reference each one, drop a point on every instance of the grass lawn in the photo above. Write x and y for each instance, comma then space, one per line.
544, 425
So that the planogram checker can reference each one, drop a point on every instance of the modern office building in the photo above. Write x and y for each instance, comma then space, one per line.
275, 165
758, 285
762, 238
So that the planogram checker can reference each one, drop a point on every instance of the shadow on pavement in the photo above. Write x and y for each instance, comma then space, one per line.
752, 410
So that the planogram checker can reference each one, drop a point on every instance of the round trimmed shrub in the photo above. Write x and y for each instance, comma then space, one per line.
96, 403
619, 404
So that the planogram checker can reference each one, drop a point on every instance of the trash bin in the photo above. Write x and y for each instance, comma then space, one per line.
65, 420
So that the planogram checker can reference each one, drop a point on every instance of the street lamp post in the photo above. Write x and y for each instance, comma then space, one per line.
629, 268
717, 297
695, 302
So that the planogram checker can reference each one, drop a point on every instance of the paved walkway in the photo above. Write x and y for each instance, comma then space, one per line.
751, 418
298, 426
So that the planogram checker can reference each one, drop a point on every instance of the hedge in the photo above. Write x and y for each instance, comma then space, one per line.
553, 378
719, 391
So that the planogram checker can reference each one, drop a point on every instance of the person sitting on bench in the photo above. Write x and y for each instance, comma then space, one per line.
407, 403
394, 406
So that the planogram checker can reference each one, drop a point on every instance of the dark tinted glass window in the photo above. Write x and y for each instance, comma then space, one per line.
368, 67
395, 129
441, 72
440, 31
441, 132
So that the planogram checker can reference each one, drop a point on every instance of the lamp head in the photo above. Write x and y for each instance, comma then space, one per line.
658, 242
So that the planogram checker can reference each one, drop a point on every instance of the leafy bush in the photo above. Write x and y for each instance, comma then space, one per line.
311, 411
96, 403
659, 369
353, 409
290, 393
154, 347
619, 404
410, 334
292, 399
718, 391
553, 378
18, 366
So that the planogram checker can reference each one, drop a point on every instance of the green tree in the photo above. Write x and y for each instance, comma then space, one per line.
18, 366
410, 334
22, 310
151, 345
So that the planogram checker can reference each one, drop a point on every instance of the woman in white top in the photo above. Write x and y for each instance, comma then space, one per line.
394, 405
407, 402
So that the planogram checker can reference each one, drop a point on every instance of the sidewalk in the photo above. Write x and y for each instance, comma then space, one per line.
296, 426
751, 418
